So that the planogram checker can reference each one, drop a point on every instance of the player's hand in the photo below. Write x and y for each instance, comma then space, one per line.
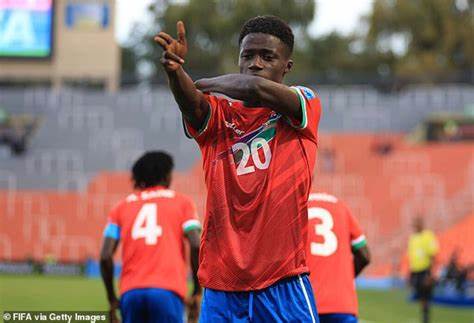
193, 304
114, 305
174, 51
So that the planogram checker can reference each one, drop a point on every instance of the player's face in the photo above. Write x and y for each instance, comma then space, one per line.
264, 55
418, 224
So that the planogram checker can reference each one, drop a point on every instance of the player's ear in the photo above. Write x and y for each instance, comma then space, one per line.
288, 66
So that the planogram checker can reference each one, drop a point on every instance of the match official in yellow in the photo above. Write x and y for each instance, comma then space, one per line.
422, 250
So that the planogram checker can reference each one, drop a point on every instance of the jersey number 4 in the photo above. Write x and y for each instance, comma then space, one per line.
146, 224
323, 229
247, 151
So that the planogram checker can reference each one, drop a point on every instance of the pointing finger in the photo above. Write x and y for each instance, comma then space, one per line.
181, 31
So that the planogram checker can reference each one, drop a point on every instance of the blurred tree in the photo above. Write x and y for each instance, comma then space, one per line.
335, 58
405, 40
432, 39
213, 27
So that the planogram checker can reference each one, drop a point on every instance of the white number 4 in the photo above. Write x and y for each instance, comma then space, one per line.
146, 224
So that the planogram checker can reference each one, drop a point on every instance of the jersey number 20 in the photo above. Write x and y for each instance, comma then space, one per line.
324, 229
146, 224
247, 151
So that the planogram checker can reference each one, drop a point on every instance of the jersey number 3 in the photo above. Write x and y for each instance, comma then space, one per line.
247, 151
324, 229
146, 224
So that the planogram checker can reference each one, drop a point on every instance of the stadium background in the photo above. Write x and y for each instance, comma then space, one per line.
391, 155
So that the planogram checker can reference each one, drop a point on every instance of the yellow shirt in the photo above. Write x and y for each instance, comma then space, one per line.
422, 247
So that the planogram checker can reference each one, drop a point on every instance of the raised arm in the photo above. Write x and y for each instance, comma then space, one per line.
255, 91
190, 100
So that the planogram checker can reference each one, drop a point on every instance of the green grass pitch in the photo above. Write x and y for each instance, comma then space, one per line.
62, 294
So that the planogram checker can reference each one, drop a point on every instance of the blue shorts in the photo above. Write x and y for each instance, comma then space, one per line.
151, 305
289, 300
337, 318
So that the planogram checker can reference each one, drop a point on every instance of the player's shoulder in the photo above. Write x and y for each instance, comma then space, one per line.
428, 234
117, 208
221, 100
307, 92
180, 197
323, 197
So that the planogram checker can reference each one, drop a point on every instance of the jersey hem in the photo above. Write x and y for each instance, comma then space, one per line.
200, 131
192, 226
337, 312
266, 284
359, 242
304, 121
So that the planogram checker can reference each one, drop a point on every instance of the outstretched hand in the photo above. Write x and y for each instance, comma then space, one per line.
174, 51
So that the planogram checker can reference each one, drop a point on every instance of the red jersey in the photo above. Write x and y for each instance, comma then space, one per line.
257, 166
151, 226
333, 233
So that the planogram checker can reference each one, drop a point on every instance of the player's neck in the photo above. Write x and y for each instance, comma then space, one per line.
160, 185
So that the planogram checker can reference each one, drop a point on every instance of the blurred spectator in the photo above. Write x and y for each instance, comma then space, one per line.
456, 274
15, 131
382, 146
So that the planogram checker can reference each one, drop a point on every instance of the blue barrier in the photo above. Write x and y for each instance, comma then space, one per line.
93, 269
380, 283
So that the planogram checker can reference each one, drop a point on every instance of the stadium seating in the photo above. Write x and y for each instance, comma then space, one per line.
55, 200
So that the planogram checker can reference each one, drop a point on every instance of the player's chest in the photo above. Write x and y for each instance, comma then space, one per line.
247, 141
244, 125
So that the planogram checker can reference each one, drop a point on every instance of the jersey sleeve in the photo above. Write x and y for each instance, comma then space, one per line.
190, 219
311, 110
358, 239
210, 124
112, 228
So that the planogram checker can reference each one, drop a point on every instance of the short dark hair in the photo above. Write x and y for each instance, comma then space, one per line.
152, 169
271, 25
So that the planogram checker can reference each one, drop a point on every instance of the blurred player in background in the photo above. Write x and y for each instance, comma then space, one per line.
422, 250
338, 252
152, 225
258, 149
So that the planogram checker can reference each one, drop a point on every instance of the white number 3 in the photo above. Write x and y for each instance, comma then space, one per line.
146, 224
324, 229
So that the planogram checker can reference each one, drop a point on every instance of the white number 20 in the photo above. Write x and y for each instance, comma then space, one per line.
146, 224
324, 229
243, 168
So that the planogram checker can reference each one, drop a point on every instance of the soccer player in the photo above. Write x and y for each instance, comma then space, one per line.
422, 249
151, 224
338, 252
259, 147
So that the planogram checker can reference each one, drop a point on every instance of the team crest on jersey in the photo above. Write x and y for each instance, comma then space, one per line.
308, 93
